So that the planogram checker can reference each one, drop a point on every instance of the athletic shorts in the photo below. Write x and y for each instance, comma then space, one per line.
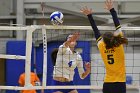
58, 83
115, 87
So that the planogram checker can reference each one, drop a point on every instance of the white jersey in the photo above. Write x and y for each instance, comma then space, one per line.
66, 62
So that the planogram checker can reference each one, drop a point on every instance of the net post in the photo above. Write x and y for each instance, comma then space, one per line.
28, 55
44, 55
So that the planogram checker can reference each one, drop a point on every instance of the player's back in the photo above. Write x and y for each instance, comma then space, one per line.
114, 63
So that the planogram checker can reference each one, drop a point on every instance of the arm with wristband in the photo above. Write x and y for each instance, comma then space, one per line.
109, 7
88, 12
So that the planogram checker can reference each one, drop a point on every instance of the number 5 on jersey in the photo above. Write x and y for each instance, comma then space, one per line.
110, 59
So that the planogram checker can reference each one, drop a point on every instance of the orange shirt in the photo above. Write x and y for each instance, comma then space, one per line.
34, 78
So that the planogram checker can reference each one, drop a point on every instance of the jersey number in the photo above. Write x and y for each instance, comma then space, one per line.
70, 63
110, 59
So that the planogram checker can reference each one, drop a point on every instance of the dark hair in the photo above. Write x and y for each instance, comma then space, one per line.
68, 36
54, 55
112, 41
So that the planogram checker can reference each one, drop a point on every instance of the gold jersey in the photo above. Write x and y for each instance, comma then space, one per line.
114, 61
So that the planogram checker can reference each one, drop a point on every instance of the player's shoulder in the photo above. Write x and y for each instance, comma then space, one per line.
118, 32
78, 54
61, 46
100, 42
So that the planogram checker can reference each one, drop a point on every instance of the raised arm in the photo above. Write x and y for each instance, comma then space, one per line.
109, 7
88, 12
71, 38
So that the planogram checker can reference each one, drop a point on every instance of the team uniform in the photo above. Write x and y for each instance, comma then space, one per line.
34, 79
66, 62
113, 59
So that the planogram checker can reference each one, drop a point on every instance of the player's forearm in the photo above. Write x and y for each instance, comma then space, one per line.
115, 18
66, 44
94, 26
85, 74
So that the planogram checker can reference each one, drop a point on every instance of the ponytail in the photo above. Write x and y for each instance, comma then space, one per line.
118, 40
112, 41
54, 56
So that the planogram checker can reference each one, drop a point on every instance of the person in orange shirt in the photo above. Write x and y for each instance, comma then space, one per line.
34, 81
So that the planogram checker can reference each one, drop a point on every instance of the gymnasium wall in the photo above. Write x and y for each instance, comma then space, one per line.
5, 7
15, 67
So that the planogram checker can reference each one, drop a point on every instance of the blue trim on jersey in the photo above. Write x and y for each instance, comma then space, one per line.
70, 63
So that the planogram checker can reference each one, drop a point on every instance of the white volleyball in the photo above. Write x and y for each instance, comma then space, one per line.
56, 18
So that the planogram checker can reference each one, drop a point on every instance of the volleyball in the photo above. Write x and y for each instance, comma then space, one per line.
56, 18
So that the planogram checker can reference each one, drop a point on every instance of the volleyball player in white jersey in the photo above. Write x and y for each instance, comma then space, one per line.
66, 61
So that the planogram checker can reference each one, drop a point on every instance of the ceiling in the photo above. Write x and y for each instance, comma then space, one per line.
128, 13
128, 10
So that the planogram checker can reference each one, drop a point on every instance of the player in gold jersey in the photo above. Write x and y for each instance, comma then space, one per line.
112, 52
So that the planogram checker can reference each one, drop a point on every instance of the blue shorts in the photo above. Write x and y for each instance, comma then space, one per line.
58, 83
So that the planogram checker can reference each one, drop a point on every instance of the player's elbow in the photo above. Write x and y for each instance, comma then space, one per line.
82, 76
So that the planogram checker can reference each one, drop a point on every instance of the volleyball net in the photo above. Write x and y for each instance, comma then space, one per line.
47, 33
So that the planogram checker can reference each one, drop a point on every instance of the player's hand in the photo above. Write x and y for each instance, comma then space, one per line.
85, 10
88, 66
108, 4
74, 37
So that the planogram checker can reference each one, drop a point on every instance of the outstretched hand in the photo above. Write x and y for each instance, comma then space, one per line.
109, 4
85, 10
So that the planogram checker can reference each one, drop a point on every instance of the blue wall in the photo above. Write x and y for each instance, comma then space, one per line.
15, 67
